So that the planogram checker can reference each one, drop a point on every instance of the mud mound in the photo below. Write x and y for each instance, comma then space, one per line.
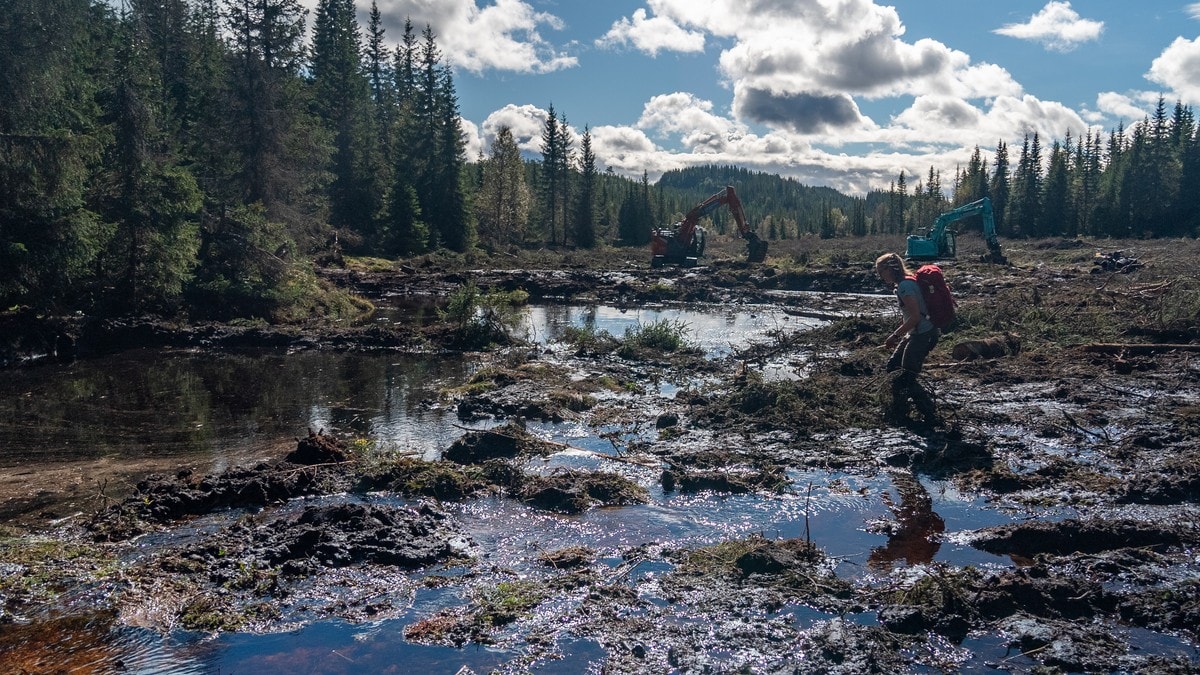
349, 534
1076, 536
575, 491
318, 448
161, 499
510, 440
733, 479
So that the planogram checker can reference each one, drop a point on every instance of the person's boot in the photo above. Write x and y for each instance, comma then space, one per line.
896, 412
925, 405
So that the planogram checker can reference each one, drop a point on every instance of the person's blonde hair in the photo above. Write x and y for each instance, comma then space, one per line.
895, 263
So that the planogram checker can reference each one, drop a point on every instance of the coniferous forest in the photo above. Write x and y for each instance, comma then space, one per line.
200, 156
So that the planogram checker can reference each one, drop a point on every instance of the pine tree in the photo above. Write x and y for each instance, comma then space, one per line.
585, 205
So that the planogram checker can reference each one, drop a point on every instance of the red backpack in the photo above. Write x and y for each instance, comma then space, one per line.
938, 300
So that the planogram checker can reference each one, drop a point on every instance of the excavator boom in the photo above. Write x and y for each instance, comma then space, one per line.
683, 243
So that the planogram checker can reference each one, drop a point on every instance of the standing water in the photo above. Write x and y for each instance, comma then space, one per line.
71, 431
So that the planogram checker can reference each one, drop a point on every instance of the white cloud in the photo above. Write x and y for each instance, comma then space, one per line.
473, 142
1056, 27
1120, 106
1178, 68
700, 130
798, 70
503, 36
1193, 10
797, 65
526, 123
629, 151
652, 35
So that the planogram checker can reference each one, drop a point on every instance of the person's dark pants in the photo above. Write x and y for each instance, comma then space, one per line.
909, 358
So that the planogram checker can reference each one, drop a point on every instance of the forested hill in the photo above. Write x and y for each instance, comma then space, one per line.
778, 206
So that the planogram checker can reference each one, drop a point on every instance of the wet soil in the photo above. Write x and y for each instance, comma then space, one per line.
1096, 447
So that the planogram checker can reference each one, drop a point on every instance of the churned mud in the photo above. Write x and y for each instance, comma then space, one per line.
1069, 393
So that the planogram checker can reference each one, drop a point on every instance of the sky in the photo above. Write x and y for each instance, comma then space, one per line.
838, 93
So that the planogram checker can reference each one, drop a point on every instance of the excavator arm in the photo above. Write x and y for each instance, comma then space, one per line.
683, 243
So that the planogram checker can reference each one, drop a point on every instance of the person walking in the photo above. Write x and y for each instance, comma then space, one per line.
912, 341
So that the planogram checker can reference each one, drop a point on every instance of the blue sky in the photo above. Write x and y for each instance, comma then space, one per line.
844, 93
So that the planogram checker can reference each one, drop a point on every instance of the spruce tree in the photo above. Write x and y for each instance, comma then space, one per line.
153, 201
283, 152
563, 168
404, 232
999, 190
1189, 183
585, 205
551, 176
52, 70
452, 217
1056, 209
342, 98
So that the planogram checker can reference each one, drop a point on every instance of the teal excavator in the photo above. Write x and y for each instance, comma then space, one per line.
940, 242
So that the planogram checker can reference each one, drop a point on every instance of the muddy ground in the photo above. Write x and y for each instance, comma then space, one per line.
1065, 388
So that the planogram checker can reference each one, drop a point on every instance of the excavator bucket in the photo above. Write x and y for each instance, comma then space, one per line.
757, 250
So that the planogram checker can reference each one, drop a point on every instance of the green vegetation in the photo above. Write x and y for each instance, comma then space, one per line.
663, 336
506, 602
44, 567
483, 319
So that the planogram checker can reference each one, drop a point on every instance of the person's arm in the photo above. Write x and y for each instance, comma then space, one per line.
912, 317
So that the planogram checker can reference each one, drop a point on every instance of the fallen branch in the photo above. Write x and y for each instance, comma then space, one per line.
1137, 348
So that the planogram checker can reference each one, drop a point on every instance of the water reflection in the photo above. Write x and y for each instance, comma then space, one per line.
916, 537
718, 331
153, 403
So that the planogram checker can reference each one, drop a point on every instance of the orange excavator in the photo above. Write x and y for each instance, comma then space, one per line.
683, 243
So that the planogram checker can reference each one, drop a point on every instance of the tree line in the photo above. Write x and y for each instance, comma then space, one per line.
199, 155
1137, 182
